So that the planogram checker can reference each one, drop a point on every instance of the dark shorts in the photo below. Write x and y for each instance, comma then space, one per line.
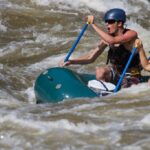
127, 81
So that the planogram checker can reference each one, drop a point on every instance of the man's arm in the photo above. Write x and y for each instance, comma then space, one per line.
123, 38
144, 61
120, 38
89, 57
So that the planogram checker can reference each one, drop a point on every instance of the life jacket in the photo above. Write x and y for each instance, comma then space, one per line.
119, 56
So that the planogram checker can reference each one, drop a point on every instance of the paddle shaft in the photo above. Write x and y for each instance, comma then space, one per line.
125, 69
76, 42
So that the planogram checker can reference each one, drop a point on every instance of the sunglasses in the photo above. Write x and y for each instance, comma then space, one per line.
110, 21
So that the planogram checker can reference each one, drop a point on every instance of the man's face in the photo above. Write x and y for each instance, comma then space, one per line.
112, 27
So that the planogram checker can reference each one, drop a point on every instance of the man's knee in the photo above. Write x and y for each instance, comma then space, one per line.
100, 73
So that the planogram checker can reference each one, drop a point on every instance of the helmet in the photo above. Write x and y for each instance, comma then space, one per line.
116, 14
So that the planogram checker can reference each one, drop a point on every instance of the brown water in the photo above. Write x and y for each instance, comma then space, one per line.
36, 35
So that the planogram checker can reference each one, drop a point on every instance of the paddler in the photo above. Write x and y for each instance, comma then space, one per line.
120, 41
144, 61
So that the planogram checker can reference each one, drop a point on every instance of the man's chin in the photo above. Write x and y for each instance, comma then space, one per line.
112, 34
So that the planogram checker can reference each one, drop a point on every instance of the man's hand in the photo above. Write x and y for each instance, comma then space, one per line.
63, 64
90, 19
138, 44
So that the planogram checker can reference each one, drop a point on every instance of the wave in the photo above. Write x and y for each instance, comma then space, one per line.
103, 5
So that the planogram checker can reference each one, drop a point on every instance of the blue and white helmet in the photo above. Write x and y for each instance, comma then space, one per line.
116, 14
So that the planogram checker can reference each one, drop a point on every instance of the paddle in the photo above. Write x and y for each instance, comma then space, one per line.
76, 42
125, 69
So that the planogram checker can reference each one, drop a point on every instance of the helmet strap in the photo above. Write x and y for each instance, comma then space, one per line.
125, 25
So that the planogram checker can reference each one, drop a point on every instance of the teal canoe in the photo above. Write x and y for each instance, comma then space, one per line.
56, 84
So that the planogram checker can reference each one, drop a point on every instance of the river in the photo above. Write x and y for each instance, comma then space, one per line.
36, 35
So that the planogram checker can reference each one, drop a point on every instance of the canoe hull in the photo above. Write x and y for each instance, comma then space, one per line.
57, 84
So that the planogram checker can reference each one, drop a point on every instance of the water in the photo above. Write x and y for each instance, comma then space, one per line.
35, 35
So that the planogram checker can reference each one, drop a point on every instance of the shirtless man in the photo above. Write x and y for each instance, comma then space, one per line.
120, 41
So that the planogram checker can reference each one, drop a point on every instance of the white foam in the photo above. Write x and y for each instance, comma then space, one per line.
3, 28
132, 147
10, 48
146, 120
146, 2
62, 124
7, 99
30, 94
45, 38
46, 63
43, 2
76, 109
136, 89
97, 5
57, 28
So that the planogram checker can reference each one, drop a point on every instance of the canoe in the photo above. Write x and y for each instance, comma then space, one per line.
58, 84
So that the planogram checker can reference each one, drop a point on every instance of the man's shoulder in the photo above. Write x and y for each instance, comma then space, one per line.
130, 31
131, 34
